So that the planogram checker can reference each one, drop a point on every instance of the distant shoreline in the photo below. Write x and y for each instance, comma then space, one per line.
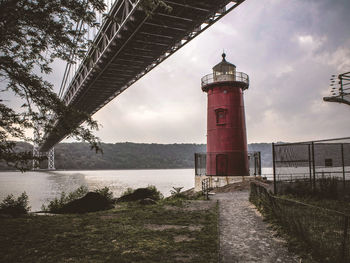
118, 169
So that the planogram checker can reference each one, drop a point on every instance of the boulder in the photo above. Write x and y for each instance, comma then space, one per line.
138, 194
91, 202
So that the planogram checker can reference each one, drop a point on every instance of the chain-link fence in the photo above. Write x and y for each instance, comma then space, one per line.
200, 160
322, 231
311, 162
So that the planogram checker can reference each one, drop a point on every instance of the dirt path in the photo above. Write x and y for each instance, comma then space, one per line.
244, 236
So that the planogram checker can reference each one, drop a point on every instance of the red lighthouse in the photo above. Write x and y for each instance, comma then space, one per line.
226, 131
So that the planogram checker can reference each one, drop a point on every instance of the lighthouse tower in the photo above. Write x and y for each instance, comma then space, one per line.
226, 131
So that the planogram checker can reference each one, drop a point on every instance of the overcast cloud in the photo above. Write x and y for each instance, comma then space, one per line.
288, 48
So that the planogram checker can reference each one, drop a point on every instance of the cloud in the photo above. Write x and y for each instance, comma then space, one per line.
289, 49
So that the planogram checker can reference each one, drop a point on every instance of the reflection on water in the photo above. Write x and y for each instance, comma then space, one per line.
44, 186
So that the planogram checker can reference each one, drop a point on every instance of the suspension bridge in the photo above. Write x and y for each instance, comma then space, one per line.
129, 44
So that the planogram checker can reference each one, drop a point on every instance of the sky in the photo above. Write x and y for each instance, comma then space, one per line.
289, 49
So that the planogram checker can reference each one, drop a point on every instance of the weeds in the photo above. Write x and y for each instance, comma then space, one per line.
141, 193
310, 228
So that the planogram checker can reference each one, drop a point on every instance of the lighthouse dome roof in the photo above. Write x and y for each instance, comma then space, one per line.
224, 66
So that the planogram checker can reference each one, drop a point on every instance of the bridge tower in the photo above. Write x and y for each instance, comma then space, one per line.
227, 150
37, 153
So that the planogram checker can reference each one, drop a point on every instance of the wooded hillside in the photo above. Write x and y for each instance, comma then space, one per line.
78, 156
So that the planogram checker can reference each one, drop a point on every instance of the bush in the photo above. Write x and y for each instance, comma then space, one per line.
141, 193
128, 191
326, 188
14, 207
176, 193
57, 204
81, 201
156, 195
107, 193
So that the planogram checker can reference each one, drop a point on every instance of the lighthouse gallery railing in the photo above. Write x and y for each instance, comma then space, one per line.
237, 76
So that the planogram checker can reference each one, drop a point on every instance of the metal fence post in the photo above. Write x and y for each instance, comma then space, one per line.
313, 164
345, 237
310, 168
343, 163
259, 161
274, 169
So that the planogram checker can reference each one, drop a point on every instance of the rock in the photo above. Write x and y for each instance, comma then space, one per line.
138, 194
91, 202
147, 201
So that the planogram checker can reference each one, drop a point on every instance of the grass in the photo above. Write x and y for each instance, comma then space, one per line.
312, 232
117, 235
338, 205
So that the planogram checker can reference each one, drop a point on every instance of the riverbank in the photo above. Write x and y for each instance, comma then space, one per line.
170, 231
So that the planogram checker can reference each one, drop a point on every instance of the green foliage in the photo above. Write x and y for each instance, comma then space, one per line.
120, 156
156, 195
33, 35
152, 193
15, 207
55, 205
124, 234
58, 203
326, 188
106, 192
128, 191
310, 229
176, 193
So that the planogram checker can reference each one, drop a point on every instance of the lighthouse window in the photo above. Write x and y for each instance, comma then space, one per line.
221, 116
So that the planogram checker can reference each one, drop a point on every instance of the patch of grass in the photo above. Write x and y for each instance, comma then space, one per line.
117, 235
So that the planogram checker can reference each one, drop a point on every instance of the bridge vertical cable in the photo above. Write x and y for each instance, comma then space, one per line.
90, 34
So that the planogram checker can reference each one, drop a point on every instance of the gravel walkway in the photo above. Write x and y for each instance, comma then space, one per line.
244, 236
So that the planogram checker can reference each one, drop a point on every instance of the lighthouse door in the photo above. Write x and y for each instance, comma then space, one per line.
221, 164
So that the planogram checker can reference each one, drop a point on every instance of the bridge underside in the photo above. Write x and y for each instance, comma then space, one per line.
338, 99
129, 45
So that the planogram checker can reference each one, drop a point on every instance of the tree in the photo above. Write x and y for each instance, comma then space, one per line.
33, 34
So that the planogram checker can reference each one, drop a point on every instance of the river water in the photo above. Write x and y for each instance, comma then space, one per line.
41, 187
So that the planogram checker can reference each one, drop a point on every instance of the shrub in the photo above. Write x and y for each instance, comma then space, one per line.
69, 204
106, 192
141, 193
55, 205
328, 188
156, 195
176, 193
128, 191
14, 207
